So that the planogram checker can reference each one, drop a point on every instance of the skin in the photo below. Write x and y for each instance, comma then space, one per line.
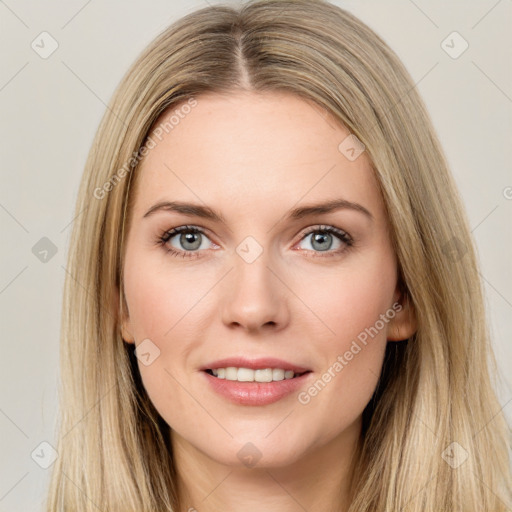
253, 157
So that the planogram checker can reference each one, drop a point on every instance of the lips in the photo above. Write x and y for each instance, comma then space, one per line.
255, 393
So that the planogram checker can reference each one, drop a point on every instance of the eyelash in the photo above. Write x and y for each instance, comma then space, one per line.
167, 235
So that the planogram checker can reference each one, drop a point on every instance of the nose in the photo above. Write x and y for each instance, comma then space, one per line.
254, 297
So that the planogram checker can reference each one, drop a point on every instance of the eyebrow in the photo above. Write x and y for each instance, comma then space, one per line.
206, 212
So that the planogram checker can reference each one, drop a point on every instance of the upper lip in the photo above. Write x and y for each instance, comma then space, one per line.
262, 362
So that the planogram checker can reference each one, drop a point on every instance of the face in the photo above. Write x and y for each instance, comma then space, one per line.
267, 277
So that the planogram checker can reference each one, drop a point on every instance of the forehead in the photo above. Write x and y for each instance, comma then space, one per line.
252, 149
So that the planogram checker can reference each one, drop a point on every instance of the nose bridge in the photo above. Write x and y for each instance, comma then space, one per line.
254, 297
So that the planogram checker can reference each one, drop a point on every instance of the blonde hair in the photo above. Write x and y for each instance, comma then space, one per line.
435, 389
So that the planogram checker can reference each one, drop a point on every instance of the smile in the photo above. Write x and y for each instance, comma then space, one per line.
252, 391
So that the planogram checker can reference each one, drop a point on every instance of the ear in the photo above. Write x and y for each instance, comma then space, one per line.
124, 320
404, 324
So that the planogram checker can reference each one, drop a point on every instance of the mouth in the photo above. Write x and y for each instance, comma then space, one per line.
255, 386
255, 381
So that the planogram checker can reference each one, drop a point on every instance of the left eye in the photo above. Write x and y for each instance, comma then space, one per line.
190, 238
323, 240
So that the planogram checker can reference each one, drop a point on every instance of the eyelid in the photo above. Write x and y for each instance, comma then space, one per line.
188, 227
324, 227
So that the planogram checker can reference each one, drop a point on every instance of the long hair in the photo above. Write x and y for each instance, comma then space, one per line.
434, 438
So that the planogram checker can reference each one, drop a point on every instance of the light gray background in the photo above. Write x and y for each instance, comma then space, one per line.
50, 110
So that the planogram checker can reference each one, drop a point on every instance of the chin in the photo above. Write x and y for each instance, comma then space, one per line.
258, 452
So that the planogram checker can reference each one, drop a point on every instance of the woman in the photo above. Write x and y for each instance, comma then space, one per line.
321, 344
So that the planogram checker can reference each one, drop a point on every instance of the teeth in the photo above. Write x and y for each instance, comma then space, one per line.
250, 375
246, 375
231, 373
278, 374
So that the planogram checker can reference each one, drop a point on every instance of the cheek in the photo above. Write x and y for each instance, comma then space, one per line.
351, 299
164, 305
158, 305
159, 300
351, 305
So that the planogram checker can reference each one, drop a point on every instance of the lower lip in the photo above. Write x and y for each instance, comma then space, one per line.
255, 393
